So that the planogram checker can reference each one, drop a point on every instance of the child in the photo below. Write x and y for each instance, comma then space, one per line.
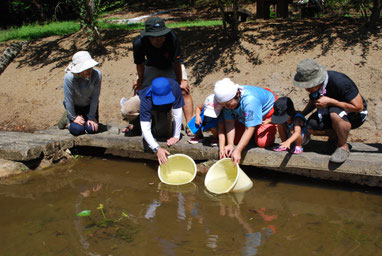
205, 119
291, 126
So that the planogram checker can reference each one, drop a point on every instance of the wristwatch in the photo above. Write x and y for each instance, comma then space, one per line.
155, 149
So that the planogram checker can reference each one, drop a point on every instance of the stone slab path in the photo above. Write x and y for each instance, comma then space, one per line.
364, 165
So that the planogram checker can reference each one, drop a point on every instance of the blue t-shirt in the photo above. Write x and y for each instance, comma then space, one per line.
254, 105
147, 104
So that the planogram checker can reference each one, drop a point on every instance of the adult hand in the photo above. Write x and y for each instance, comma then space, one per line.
172, 141
184, 86
137, 85
162, 156
228, 150
79, 120
323, 102
93, 125
236, 157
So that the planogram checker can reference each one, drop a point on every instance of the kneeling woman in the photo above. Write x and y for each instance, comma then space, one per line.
82, 86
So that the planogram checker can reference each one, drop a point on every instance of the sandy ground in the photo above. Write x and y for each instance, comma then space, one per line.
266, 55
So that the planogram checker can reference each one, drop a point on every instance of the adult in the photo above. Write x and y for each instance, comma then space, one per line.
247, 113
161, 114
340, 107
157, 53
82, 86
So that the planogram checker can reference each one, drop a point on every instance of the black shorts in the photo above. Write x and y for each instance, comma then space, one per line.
356, 119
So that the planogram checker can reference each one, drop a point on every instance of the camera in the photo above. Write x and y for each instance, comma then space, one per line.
315, 95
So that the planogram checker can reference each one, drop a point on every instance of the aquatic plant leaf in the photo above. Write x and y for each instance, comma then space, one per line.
84, 213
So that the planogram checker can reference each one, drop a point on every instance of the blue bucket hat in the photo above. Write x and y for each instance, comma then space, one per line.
161, 92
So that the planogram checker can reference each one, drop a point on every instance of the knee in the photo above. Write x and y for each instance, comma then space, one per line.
76, 129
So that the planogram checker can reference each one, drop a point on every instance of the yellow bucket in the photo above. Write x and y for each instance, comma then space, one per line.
224, 177
180, 169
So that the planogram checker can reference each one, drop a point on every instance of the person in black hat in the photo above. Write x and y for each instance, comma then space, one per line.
340, 106
157, 53
291, 126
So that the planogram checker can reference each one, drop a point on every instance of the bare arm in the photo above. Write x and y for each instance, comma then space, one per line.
140, 72
308, 108
355, 105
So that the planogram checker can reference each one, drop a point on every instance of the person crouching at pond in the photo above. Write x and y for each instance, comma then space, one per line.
161, 103
82, 86
291, 126
247, 112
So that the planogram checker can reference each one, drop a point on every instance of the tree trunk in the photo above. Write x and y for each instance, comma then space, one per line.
235, 19
375, 12
40, 10
221, 7
282, 9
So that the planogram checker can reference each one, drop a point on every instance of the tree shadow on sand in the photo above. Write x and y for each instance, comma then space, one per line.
210, 49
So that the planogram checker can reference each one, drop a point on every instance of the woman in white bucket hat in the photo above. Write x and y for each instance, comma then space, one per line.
82, 86
247, 112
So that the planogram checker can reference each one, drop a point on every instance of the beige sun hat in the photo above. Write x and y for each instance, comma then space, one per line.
309, 74
130, 108
81, 61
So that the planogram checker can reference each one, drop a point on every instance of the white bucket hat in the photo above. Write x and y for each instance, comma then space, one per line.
225, 90
212, 108
81, 61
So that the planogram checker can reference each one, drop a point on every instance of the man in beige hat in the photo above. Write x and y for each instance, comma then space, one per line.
82, 86
340, 107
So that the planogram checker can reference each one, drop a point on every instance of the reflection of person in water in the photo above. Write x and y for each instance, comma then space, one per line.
252, 239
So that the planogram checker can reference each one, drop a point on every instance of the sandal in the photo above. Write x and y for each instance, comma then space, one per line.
188, 131
279, 148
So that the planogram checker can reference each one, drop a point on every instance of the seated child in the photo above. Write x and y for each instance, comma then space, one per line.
291, 126
205, 119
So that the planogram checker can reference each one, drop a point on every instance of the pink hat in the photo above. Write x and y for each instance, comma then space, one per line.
211, 107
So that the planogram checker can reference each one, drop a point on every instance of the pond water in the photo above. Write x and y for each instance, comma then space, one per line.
280, 215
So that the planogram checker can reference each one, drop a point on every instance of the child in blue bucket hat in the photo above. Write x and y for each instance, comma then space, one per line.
161, 114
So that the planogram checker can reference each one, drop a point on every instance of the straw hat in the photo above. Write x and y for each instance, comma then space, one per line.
81, 61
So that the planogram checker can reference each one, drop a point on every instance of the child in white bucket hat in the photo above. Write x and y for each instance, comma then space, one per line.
247, 112
205, 119
82, 86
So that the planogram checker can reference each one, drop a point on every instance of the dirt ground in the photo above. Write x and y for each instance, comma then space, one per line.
265, 55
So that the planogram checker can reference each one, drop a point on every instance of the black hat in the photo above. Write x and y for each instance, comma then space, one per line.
155, 27
283, 109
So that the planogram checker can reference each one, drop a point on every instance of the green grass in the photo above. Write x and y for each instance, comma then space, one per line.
198, 23
36, 31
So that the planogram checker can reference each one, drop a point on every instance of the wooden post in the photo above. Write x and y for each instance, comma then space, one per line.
262, 9
282, 8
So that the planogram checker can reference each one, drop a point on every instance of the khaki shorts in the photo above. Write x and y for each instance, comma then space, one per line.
152, 72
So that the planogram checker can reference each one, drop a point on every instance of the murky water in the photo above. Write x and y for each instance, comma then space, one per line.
278, 216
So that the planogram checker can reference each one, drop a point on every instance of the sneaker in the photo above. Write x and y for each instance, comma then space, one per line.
339, 156
213, 143
195, 140
298, 150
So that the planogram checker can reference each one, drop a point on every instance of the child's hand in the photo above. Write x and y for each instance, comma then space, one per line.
198, 120
285, 144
